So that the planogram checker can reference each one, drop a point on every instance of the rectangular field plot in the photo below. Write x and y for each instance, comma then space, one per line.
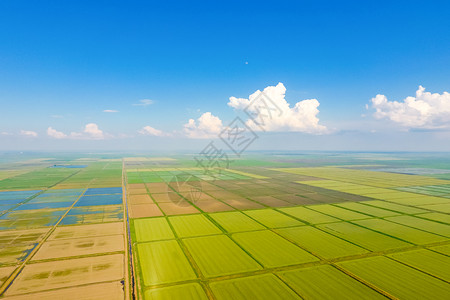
172, 209
396, 207
396, 279
271, 250
402, 232
438, 217
265, 286
93, 214
189, 291
444, 249
80, 246
272, 218
5, 272
364, 237
308, 215
320, 243
367, 209
154, 229
427, 261
163, 262
219, 255
195, 225
105, 291
443, 208
236, 222
66, 273
66, 232
16, 245
96, 200
144, 211
29, 219
317, 283
338, 212
425, 225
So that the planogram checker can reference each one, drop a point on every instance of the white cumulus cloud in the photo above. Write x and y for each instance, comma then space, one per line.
206, 126
55, 134
90, 132
276, 114
424, 111
148, 130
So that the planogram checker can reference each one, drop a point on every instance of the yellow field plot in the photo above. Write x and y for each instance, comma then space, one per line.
136, 186
265, 286
421, 200
370, 178
246, 174
236, 221
271, 250
4, 273
157, 187
320, 243
363, 237
443, 208
218, 255
178, 208
79, 231
79, 247
318, 283
395, 207
308, 215
405, 233
140, 199
153, 229
422, 224
396, 279
144, 211
163, 262
213, 206
438, 217
367, 209
194, 225
427, 261
444, 249
66, 273
141, 191
272, 218
190, 291
338, 212
97, 291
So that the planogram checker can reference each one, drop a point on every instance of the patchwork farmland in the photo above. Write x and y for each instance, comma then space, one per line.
266, 228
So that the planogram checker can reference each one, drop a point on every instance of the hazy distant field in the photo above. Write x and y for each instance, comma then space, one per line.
271, 226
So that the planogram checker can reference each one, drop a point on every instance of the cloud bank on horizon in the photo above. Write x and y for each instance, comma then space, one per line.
424, 111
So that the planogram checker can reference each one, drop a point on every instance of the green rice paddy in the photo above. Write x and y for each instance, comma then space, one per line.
284, 227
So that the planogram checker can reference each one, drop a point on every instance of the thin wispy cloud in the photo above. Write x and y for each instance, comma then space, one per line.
148, 130
144, 102
110, 111
28, 133
57, 116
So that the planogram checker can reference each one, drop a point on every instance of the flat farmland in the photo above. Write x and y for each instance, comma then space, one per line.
162, 228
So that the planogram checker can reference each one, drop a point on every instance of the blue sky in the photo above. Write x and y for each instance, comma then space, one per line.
62, 63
